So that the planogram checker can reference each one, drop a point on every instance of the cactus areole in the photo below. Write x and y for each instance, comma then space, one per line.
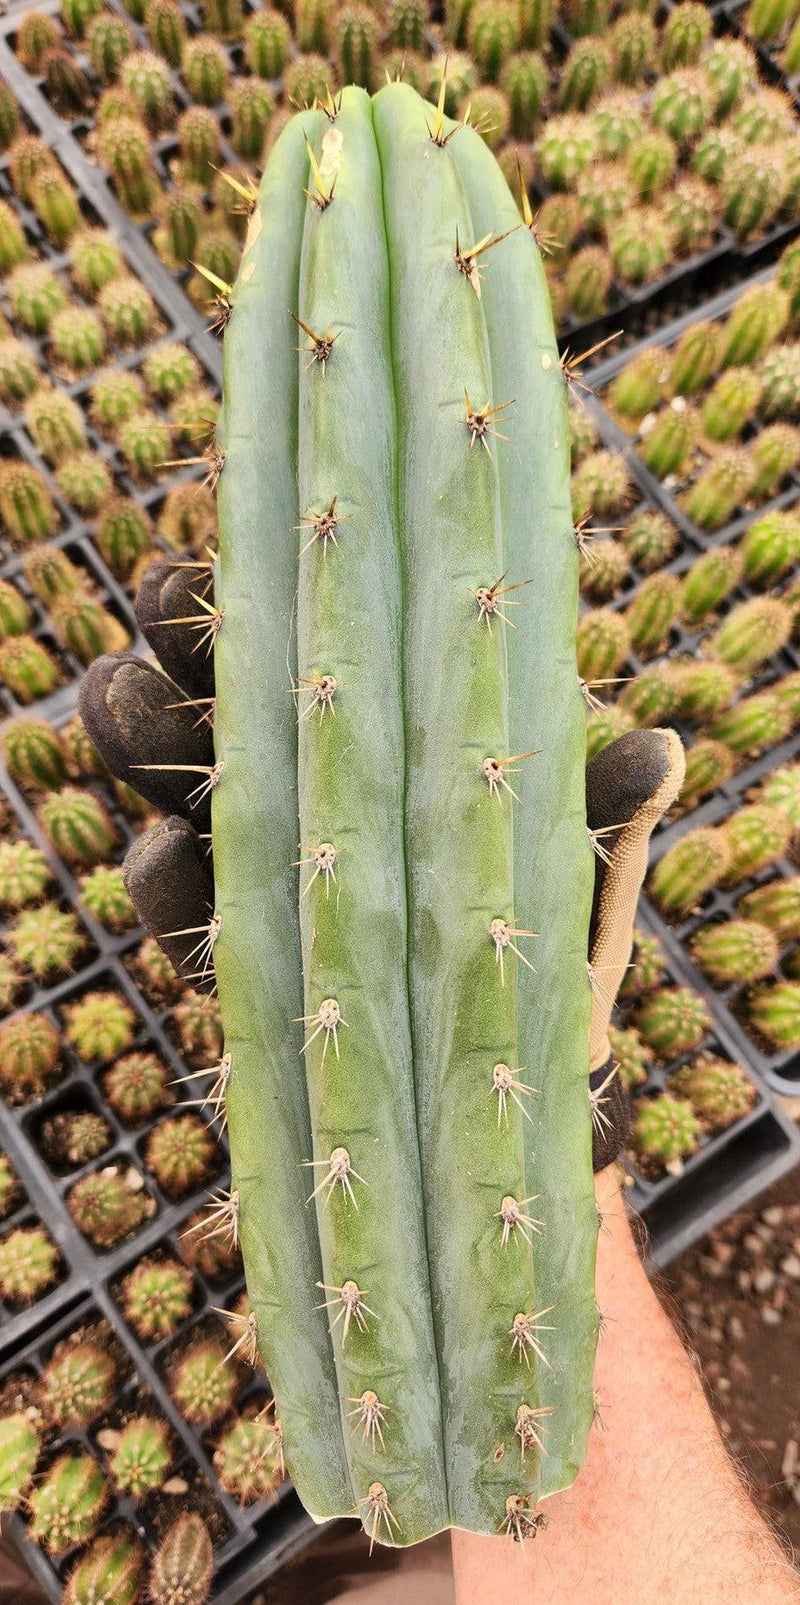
403, 871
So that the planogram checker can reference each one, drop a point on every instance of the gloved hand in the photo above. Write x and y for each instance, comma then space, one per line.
153, 730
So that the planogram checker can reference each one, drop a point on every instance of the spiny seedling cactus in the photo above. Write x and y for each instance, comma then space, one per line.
460, 343
630, 1056
771, 547
56, 423
181, 1153
27, 508
774, 1012
125, 148
605, 192
137, 1086
601, 484
603, 643
780, 382
665, 1131
86, 628
774, 453
28, 668
267, 40
78, 339
110, 1573
30, 1054
100, 1025
183, 1564
641, 245
78, 826
199, 1025
116, 395
15, 614
35, 758
757, 319
708, 765
639, 387
103, 894
695, 358
720, 489
67, 1504
703, 689
252, 106
170, 370
603, 569
765, 19
756, 836
11, 1195
583, 436
247, 1459
753, 188
732, 401
109, 41
216, 1258
689, 869
684, 34
672, 1020
752, 632
19, 371
633, 46
74, 1138
13, 245
28, 1265
777, 904
56, 206
142, 1456
691, 212
682, 104
147, 79
753, 724
128, 310
145, 444
585, 73
77, 1383
736, 952
647, 966
652, 612
188, 518
19, 1451
709, 580
650, 697
155, 975
781, 790
565, 147
107, 1206
524, 83
665, 446
166, 29
46, 941
182, 219
588, 282
85, 481
37, 33
157, 1298
202, 1384
206, 70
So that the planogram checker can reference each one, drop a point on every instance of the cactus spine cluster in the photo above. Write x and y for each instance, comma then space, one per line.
329, 258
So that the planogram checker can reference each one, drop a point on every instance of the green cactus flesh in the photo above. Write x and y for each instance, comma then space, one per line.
371, 426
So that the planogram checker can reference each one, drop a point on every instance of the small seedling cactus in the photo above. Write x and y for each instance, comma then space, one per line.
752, 632
639, 388
777, 905
125, 148
180, 1153
737, 952
106, 1207
78, 339
37, 33
116, 396
199, 1024
757, 722
585, 73
36, 758
166, 29
753, 188
566, 146
652, 612
13, 245
641, 245
666, 446
588, 281
765, 19
100, 1025
782, 790
665, 1131
709, 580
27, 668
691, 212
128, 310
757, 319
703, 689
524, 83
774, 1012
103, 894
633, 46
19, 371
157, 1298
718, 1090
188, 518
109, 41
77, 1383
15, 614
721, 488
145, 444
46, 941
603, 643
682, 104
183, 1564
86, 482
604, 569
252, 106
630, 1056
775, 452
689, 869
67, 1504
203, 1386
780, 383
86, 628
673, 1020
30, 1054
19, 1452
647, 966
696, 358
605, 193
650, 696
756, 836
142, 1456
182, 220
111, 1573
147, 79
247, 1459
78, 826
28, 1265
74, 1138
56, 205
10, 1196
215, 1257
771, 547
27, 508
56, 423
138, 1086
601, 484
731, 403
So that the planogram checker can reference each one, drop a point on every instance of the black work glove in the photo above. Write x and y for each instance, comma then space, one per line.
153, 730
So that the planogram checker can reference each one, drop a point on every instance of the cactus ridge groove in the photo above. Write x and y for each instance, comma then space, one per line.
401, 1308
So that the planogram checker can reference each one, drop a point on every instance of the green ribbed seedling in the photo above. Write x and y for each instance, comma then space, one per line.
641, 245
601, 484
36, 34
630, 1056
30, 1053
19, 1452
182, 219
718, 1090
736, 952
103, 893
585, 73
587, 282
109, 41
183, 1564
757, 319
67, 1505
56, 423
188, 518
202, 1385
647, 966
756, 836
55, 203
780, 382
26, 506
142, 1456
145, 444
15, 614
720, 489
666, 446
78, 338
157, 1298
684, 34
125, 148
652, 612
730, 66
682, 104
649, 539
703, 689
247, 1459
75, 1137
617, 120
565, 147
665, 1131
524, 82
77, 1383
771, 547
166, 29
765, 19
603, 643
639, 387
731, 403
181, 1153
116, 396
381, 440
51, 574
753, 188
774, 453
28, 1265
774, 1012
777, 905
100, 1025
111, 1573
633, 46
86, 628
46, 941
695, 359
27, 668
24, 873
604, 569
137, 1086
78, 826
19, 371
673, 1020
708, 765
85, 481
781, 790
206, 70
709, 580
751, 633
651, 161
267, 40
650, 696
106, 1208
128, 310
757, 722
689, 869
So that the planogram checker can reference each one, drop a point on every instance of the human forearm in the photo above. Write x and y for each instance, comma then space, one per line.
658, 1511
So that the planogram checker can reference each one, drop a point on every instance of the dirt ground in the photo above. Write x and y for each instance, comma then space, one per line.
737, 1294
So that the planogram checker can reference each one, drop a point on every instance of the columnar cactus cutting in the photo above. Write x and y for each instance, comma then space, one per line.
380, 997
